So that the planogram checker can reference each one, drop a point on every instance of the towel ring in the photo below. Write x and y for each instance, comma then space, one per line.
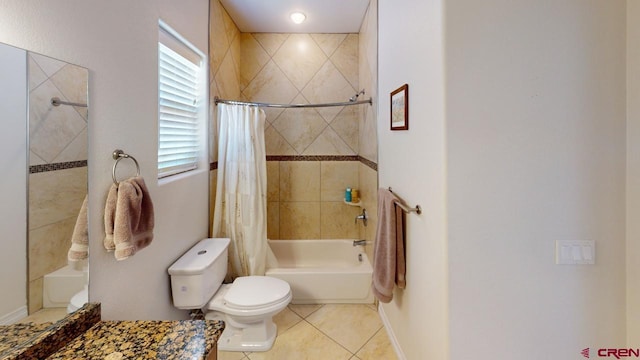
119, 155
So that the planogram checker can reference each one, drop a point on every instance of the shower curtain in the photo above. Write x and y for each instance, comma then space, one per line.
240, 211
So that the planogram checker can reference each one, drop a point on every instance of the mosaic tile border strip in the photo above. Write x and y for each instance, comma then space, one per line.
33, 169
312, 157
368, 162
365, 161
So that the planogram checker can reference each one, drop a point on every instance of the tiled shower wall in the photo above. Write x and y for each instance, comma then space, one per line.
303, 68
305, 200
58, 171
312, 153
368, 140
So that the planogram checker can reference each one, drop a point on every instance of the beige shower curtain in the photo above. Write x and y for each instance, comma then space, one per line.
240, 211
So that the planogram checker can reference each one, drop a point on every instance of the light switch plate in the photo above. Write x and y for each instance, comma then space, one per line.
575, 252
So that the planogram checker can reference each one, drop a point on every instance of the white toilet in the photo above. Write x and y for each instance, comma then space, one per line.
247, 305
78, 300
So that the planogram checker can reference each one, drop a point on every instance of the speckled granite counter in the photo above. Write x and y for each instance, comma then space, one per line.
82, 335
53, 337
12, 336
114, 340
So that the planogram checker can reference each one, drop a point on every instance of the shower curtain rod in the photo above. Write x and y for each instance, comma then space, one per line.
217, 101
55, 101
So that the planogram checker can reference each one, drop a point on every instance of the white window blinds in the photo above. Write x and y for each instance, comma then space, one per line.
180, 96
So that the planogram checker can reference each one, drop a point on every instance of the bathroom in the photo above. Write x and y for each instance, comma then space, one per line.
523, 120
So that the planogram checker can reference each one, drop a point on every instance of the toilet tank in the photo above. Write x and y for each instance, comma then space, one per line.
198, 274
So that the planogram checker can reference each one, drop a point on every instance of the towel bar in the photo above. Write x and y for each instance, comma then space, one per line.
405, 208
119, 155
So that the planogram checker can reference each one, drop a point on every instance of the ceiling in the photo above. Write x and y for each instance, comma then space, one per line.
323, 16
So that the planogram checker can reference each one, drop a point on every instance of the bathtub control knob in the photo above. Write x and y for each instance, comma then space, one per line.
362, 217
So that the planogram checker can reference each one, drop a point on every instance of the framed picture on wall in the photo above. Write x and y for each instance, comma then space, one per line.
400, 108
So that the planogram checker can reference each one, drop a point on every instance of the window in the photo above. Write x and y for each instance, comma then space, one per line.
182, 103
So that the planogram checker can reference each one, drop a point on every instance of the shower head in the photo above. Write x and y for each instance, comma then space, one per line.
355, 97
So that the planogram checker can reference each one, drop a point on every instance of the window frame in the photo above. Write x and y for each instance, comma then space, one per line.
172, 40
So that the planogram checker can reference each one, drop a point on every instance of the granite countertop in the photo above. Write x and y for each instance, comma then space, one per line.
51, 338
13, 335
114, 340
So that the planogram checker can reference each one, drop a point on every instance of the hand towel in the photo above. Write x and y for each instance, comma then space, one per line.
80, 239
128, 218
134, 218
388, 254
110, 217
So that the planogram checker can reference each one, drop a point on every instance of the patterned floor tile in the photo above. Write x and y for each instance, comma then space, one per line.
304, 310
303, 342
350, 325
377, 348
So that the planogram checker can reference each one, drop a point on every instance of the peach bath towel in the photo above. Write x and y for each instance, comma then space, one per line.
388, 255
80, 239
110, 217
128, 218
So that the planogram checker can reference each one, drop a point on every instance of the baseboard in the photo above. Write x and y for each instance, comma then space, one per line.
392, 336
15, 315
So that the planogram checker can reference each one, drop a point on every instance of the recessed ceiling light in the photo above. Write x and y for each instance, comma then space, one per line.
298, 17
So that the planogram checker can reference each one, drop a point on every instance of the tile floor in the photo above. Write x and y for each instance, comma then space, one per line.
46, 315
321, 332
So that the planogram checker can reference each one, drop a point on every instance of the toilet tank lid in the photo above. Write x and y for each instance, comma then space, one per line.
199, 257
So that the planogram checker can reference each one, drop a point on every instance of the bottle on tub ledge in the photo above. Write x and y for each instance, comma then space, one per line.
355, 196
351, 196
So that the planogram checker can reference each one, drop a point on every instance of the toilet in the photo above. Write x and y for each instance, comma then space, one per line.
78, 300
247, 305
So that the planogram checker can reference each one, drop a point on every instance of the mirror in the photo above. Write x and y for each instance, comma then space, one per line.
44, 185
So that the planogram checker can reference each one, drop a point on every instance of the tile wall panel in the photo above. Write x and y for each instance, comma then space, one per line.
304, 196
303, 68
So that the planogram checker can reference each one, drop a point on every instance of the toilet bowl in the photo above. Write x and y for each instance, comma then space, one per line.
247, 305
78, 300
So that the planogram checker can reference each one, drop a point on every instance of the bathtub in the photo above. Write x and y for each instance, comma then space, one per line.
322, 271
59, 286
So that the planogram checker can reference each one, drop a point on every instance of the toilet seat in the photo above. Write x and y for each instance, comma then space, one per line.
251, 295
253, 292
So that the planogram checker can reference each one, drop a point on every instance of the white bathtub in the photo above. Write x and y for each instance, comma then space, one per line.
59, 286
322, 271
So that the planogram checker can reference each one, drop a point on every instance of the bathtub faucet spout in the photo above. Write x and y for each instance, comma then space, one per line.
359, 242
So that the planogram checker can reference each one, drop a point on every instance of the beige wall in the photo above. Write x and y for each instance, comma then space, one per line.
121, 52
13, 207
535, 133
633, 172
413, 163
